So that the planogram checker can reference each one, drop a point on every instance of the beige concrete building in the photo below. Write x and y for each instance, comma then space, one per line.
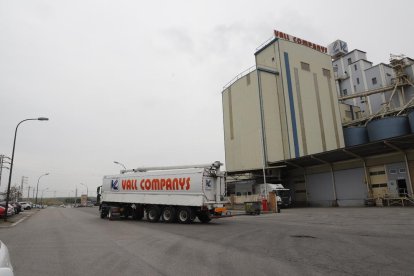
285, 108
283, 124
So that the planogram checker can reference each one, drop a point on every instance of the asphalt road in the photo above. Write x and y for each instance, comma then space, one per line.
313, 241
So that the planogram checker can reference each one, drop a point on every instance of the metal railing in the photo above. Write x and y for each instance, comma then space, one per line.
239, 76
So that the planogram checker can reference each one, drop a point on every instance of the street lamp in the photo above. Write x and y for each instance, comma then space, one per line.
119, 163
41, 201
37, 187
12, 160
87, 190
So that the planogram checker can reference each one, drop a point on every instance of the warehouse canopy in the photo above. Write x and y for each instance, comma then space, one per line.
402, 143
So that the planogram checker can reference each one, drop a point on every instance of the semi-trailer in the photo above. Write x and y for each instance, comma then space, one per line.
174, 193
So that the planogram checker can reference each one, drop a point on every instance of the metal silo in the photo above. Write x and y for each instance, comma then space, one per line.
355, 136
411, 120
388, 127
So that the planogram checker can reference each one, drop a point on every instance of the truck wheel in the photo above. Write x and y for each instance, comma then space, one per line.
113, 213
103, 214
153, 213
204, 217
169, 214
185, 215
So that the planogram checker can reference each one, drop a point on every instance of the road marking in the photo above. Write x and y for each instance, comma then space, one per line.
17, 222
29, 214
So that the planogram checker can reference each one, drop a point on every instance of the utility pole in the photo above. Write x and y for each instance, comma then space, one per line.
2, 161
28, 192
24, 178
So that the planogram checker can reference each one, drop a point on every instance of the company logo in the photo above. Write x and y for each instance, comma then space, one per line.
298, 40
115, 185
208, 184
156, 184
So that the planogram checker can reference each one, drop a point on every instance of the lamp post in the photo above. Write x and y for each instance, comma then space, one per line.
12, 160
119, 163
37, 186
76, 195
41, 201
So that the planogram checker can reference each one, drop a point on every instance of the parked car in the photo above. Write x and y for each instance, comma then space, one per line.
10, 210
6, 268
26, 205
17, 207
2, 211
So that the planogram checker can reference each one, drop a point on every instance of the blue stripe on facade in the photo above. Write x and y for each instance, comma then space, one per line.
292, 105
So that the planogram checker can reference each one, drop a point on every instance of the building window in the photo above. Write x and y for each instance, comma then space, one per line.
355, 67
374, 81
349, 61
393, 171
305, 66
377, 173
326, 72
355, 88
357, 80
382, 185
344, 92
402, 170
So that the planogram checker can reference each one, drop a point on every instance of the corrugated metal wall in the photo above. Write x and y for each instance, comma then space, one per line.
350, 185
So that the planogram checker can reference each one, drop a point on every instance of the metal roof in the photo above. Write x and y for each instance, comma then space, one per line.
401, 143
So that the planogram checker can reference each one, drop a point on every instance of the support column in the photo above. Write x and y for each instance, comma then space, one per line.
367, 178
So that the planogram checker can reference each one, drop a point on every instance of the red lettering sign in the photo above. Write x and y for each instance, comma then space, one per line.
297, 40
157, 184
129, 184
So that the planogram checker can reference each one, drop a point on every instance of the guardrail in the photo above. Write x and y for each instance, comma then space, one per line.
239, 76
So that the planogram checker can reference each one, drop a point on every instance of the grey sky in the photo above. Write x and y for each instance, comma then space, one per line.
140, 82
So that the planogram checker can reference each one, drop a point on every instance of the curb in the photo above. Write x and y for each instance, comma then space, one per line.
10, 225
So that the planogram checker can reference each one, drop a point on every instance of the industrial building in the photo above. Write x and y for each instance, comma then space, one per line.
322, 121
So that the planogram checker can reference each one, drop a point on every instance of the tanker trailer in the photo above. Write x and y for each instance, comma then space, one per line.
175, 193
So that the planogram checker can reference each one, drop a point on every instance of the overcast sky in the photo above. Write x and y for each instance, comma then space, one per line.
140, 82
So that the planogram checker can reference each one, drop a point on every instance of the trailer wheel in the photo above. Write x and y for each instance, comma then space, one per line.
204, 217
153, 213
103, 214
114, 213
185, 215
169, 214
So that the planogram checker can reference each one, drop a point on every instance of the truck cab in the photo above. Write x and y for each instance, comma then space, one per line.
283, 196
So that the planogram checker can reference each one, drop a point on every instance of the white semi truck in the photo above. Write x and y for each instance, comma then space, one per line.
282, 194
167, 193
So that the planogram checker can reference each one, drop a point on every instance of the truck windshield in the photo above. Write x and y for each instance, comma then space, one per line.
283, 193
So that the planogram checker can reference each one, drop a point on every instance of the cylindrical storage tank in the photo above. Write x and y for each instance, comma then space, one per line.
355, 136
411, 120
387, 128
